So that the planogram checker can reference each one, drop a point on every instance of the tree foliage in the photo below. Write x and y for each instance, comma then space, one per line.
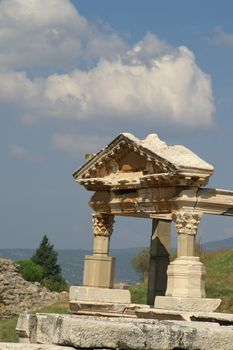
31, 271
46, 257
141, 262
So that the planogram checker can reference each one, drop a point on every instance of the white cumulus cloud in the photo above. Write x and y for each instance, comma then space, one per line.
50, 33
150, 81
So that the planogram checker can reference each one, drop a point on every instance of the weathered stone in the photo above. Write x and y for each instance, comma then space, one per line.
186, 278
18, 295
104, 295
115, 333
216, 318
105, 309
128, 161
129, 333
186, 304
159, 259
160, 314
99, 271
148, 178
25, 327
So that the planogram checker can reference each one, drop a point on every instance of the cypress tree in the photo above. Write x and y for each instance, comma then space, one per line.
46, 257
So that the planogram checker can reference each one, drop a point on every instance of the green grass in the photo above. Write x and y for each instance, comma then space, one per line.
7, 330
219, 280
58, 308
7, 327
139, 294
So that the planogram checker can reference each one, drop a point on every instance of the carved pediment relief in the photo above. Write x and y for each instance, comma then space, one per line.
131, 163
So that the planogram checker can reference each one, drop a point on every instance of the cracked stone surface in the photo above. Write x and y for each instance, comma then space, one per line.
93, 332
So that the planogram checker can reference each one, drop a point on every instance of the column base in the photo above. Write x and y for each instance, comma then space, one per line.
91, 300
186, 278
186, 304
99, 271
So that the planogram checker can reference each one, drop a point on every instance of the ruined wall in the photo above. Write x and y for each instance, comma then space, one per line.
17, 295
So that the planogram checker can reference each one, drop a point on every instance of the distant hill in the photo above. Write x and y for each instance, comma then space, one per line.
71, 261
217, 245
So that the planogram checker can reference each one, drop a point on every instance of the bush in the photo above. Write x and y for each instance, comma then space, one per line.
31, 271
139, 294
54, 285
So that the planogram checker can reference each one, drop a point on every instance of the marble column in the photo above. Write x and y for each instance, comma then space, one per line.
99, 267
159, 258
186, 274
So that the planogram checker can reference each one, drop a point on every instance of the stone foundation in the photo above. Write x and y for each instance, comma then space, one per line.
90, 332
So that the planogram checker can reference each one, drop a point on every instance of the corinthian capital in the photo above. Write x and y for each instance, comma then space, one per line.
186, 221
102, 224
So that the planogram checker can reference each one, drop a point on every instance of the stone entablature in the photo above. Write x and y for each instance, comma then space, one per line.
163, 200
128, 162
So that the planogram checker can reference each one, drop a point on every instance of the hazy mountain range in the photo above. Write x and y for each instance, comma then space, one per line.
71, 260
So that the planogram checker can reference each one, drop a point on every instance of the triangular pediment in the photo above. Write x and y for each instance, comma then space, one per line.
128, 162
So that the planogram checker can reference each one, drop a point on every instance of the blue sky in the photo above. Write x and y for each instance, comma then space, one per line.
76, 74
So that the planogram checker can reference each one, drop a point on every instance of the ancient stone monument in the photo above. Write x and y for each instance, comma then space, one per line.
149, 179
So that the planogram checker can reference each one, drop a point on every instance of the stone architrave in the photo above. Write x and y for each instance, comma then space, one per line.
99, 267
159, 258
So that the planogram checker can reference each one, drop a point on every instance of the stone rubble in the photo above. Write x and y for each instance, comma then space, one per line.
18, 295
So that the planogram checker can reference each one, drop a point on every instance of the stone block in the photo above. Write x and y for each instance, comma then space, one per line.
91, 332
186, 304
99, 271
186, 278
114, 333
25, 327
105, 309
99, 295
214, 318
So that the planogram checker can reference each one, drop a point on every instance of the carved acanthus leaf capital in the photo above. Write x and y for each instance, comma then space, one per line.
102, 224
186, 221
